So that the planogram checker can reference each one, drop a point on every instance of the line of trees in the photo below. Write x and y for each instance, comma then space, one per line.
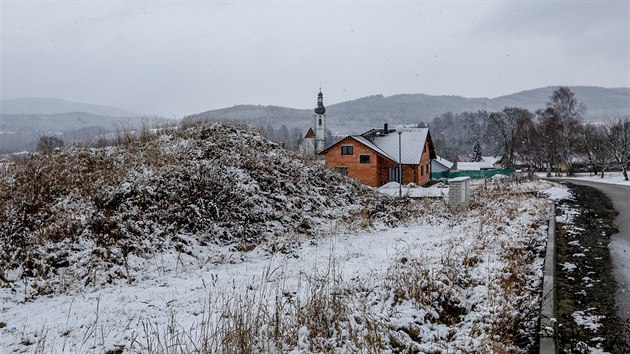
552, 139
555, 138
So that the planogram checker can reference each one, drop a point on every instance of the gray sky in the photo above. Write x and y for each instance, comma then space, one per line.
177, 58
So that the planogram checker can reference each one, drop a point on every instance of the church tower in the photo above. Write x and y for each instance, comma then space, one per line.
320, 123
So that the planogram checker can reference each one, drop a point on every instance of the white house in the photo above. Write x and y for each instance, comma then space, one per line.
440, 164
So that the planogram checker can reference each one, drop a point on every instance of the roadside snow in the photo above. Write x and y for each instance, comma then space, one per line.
558, 193
587, 320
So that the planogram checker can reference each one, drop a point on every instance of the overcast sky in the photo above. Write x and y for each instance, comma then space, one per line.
176, 58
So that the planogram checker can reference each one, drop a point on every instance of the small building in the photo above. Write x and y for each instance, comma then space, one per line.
486, 163
373, 157
307, 146
440, 165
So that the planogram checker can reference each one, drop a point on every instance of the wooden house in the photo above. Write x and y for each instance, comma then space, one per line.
373, 157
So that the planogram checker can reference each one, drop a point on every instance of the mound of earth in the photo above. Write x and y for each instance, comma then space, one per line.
75, 216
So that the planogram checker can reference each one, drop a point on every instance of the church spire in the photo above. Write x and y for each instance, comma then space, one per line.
320, 123
320, 109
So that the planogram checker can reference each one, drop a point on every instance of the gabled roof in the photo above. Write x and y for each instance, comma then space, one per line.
371, 145
474, 166
363, 141
444, 162
412, 142
309, 133
491, 159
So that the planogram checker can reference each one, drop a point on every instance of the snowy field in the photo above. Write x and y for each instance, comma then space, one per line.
450, 283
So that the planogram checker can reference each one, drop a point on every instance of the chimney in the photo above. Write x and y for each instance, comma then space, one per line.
385, 127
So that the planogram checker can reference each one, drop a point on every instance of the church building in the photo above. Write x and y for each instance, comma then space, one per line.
315, 139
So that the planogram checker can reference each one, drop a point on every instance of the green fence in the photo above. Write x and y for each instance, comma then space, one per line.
473, 174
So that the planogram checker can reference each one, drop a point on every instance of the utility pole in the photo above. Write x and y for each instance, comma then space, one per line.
399, 163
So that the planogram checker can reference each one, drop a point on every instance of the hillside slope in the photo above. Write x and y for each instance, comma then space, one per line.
77, 217
358, 115
20, 132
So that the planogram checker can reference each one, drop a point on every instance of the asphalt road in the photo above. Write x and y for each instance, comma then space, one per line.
620, 242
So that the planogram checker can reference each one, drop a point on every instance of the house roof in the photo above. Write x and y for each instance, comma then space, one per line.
371, 145
386, 144
444, 162
491, 159
474, 166
412, 144
309, 133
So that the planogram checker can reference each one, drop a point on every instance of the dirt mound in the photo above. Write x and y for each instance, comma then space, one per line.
84, 211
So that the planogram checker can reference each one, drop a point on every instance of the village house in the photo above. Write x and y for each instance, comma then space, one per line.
373, 157
440, 165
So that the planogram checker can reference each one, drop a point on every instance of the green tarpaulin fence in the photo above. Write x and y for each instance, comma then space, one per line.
472, 174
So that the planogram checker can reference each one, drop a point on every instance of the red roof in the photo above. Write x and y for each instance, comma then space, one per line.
309, 133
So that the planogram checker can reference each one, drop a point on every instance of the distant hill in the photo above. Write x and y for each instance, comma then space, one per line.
34, 105
359, 115
20, 132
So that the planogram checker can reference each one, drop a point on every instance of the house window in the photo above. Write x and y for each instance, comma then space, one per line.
364, 158
422, 170
346, 149
394, 174
320, 121
343, 170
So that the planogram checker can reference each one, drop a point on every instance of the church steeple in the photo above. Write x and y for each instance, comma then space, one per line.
320, 123
320, 109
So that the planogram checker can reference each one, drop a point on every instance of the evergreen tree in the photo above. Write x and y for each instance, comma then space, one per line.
476, 153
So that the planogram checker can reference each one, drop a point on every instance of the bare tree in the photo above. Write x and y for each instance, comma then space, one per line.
569, 111
530, 145
594, 145
509, 125
619, 143
48, 143
549, 128
559, 122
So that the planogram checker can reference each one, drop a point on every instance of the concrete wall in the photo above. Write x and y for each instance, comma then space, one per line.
548, 314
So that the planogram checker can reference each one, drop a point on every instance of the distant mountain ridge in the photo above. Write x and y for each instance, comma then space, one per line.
23, 121
358, 115
36, 105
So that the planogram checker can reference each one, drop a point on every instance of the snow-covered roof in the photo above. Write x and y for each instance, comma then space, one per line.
412, 144
444, 162
473, 166
371, 145
491, 159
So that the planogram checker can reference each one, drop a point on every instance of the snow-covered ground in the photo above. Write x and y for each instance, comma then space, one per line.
609, 178
412, 191
449, 283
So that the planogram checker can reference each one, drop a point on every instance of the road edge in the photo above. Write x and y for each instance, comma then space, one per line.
548, 314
